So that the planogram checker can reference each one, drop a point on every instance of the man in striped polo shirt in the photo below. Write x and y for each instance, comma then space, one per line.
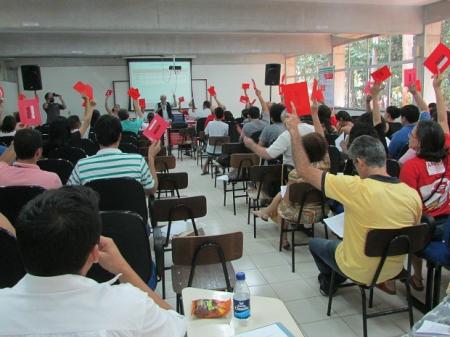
110, 162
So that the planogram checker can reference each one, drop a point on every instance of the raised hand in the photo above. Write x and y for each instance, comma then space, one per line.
437, 80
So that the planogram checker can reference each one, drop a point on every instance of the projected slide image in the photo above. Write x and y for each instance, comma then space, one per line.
154, 78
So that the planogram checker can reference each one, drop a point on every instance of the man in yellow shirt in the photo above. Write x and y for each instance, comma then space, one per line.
365, 199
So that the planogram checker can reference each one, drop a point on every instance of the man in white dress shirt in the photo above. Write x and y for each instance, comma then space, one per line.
58, 236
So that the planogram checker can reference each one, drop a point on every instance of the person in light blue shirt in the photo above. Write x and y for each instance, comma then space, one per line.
133, 125
409, 115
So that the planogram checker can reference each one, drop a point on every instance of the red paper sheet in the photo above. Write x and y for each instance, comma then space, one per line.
212, 91
108, 92
245, 86
297, 93
156, 128
134, 93
244, 99
142, 103
418, 86
409, 77
29, 111
439, 59
181, 99
317, 93
381, 74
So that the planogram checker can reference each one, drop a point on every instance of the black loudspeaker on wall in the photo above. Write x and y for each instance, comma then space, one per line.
31, 77
273, 74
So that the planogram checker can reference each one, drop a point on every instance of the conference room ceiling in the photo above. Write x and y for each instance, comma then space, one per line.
200, 27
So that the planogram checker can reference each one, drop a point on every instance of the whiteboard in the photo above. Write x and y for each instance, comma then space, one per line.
120, 92
199, 92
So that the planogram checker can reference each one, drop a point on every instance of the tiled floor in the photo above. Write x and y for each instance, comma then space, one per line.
268, 271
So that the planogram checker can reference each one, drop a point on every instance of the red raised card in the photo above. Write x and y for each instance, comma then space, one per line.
212, 91
297, 93
29, 111
381, 74
368, 87
108, 93
156, 128
317, 93
439, 59
181, 99
245, 86
244, 99
134, 93
409, 77
22, 96
418, 86
142, 103
80, 87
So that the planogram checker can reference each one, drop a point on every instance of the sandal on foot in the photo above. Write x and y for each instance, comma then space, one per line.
286, 245
383, 287
204, 173
261, 215
416, 283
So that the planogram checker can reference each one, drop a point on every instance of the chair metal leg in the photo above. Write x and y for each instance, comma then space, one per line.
281, 232
224, 193
326, 230
364, 310
409, 300
163, 281
177, 306
330, 293
234, 198
437, 285
248, 213
293, 250
371, 298
429, 286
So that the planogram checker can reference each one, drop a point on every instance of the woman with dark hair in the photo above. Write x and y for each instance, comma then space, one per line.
429, 171
325, 119
8, 127
316, 148
94, 118
391, 114
58, 135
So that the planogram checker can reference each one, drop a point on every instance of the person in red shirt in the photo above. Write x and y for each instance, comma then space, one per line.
429, 171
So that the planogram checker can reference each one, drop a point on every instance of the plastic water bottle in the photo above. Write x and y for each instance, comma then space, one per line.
241, 298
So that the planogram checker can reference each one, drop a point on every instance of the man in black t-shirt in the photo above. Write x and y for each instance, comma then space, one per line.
52, 108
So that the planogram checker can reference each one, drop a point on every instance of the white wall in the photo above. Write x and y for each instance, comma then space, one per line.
11, 96
227, 79
62, 79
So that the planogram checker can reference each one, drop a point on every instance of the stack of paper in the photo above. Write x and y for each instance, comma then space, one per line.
430, 328
336, 224
273, 330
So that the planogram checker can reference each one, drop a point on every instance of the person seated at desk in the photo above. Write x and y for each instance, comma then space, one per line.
133, 125
59, 239
216, 128
363, 197
104, 164
255, 126
20, 168
428, 172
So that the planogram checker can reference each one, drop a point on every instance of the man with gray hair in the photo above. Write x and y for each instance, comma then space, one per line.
365, 199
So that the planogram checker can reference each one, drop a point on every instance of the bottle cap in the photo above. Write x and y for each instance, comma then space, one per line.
240, 276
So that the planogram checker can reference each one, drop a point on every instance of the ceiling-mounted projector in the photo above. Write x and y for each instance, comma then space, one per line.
175, 68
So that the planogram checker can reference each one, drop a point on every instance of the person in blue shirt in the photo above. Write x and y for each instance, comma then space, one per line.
409, 115
129, 124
